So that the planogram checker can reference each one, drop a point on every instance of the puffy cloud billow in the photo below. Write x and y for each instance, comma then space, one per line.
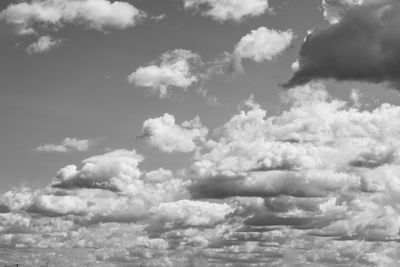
179, 68
34, 15
262, 44
361, 44
169, 137
317, 184
173, 69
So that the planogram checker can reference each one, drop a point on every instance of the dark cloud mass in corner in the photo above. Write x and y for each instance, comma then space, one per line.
363, 46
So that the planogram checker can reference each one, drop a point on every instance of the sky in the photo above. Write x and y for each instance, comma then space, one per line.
199, 132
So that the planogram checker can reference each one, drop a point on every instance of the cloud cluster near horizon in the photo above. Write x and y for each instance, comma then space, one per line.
260, 189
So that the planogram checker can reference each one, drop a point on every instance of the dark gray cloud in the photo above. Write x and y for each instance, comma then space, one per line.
363, 46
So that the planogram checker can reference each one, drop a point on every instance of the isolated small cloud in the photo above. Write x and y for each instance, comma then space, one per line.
361, 45
43, 45
34, 15
263, 44
181, 68
165, 134
227, 10
173, 69
68, 145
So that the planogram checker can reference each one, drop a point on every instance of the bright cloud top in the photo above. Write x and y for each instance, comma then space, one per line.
264, 189
173, 69
36, 15
68, 145
263, 44
165, 134
334, 10
43, 45
224, 10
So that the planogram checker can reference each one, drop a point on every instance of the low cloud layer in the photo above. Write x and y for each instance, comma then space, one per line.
279, 190
362, 44
227, 10
68, 145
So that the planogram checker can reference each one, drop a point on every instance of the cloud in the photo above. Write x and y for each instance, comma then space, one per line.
225, 10
33, 16
68, 145
362, 45
334, 10
173, 69
263, 44
317, 183
180, 68
301, 154
165, 134
110, 171
193, 213
43, 45
210, 100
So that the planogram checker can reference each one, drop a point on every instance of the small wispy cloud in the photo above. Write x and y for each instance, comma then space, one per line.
68, 145
43, 45
227, 10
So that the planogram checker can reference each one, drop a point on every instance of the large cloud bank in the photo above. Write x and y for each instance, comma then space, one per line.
361, 44
316, 184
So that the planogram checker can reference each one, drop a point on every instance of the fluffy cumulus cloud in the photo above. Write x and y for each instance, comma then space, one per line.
227, 10
35, 15
173, 69
180, 68
276, 190
165, 134
68, 145
263, 44
43, 45
361, 44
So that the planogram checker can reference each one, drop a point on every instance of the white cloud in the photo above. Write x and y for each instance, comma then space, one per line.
308, 185
165, 134
263, 44
112, 170
68, 145
35, 15
173, 69
224, 10
43, 45
194, 213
